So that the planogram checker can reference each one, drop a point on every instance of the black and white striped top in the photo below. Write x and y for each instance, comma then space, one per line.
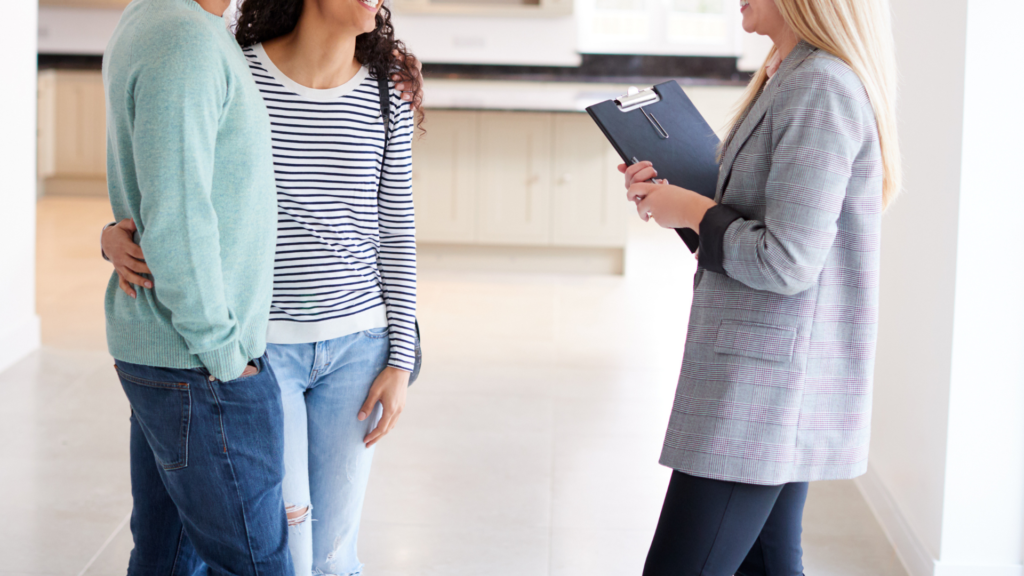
331, 223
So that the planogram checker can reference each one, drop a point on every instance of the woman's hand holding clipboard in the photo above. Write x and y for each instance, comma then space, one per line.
640, 172
661, 125
670, 206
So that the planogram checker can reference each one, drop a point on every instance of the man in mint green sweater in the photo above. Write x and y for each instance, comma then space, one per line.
189, 159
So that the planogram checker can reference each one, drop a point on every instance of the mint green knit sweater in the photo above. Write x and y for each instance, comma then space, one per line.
189, 158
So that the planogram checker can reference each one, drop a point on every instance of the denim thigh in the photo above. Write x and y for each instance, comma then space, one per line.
323, 386
211, 454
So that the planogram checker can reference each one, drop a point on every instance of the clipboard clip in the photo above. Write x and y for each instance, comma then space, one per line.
635, 98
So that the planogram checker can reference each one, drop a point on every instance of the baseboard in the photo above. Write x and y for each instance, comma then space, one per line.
944, 569
544, 259
911, 550
18, 341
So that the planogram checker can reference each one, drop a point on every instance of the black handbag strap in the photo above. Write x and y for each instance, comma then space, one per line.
384, 90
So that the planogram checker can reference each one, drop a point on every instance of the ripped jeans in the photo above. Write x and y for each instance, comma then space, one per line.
323, 386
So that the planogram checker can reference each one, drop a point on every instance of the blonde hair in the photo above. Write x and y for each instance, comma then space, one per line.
858, 32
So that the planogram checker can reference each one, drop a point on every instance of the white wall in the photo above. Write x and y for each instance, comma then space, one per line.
754, 50
919, 267
19, 325
983, 509
947, 457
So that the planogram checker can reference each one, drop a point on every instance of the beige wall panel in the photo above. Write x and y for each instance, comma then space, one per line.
445, 178
514, 191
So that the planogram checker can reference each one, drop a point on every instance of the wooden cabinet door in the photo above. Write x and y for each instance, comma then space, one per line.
588, 197
73, 124
514, 192
444, 177
46, 124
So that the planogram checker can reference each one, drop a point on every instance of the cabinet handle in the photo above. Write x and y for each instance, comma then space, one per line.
565, 179
532, 179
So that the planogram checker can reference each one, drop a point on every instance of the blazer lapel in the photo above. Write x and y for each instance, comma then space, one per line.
754, 115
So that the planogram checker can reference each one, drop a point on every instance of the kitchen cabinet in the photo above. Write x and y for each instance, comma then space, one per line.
528, 189
588, 197
72, 132
679, 27
86, 3
514, 188
445, 164
519, 186
494, 8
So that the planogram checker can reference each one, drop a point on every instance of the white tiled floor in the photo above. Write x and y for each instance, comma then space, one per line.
529, 446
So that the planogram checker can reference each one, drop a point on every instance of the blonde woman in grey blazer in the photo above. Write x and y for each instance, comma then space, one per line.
775, 387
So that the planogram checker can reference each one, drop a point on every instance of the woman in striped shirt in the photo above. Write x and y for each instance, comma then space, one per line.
341, 333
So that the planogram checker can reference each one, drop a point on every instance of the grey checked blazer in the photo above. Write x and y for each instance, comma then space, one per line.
776, 380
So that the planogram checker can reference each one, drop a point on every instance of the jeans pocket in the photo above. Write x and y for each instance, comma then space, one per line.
254, 364
163, 411
376, 332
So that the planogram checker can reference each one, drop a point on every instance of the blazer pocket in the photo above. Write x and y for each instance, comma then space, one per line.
756, 341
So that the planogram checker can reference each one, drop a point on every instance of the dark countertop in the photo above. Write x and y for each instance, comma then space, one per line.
605, 68
595, 69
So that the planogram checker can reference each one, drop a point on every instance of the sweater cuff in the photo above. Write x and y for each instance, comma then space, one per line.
712, 237
102, 253
403, 366
225, 363
399, 358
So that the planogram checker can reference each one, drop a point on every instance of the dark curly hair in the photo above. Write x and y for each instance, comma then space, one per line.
379, 51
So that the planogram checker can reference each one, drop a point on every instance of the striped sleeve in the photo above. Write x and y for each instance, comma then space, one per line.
398, 236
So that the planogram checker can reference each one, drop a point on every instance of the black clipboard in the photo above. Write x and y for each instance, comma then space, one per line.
661, 125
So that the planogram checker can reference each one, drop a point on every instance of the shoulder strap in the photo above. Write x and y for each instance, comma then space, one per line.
385, 113
384, 91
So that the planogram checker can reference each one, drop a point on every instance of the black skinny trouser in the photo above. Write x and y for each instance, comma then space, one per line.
715, 528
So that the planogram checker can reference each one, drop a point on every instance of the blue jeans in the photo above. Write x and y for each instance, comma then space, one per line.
327, 465
206, 469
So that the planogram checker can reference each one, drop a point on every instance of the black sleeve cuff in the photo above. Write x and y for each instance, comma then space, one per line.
690, 238
712, 237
